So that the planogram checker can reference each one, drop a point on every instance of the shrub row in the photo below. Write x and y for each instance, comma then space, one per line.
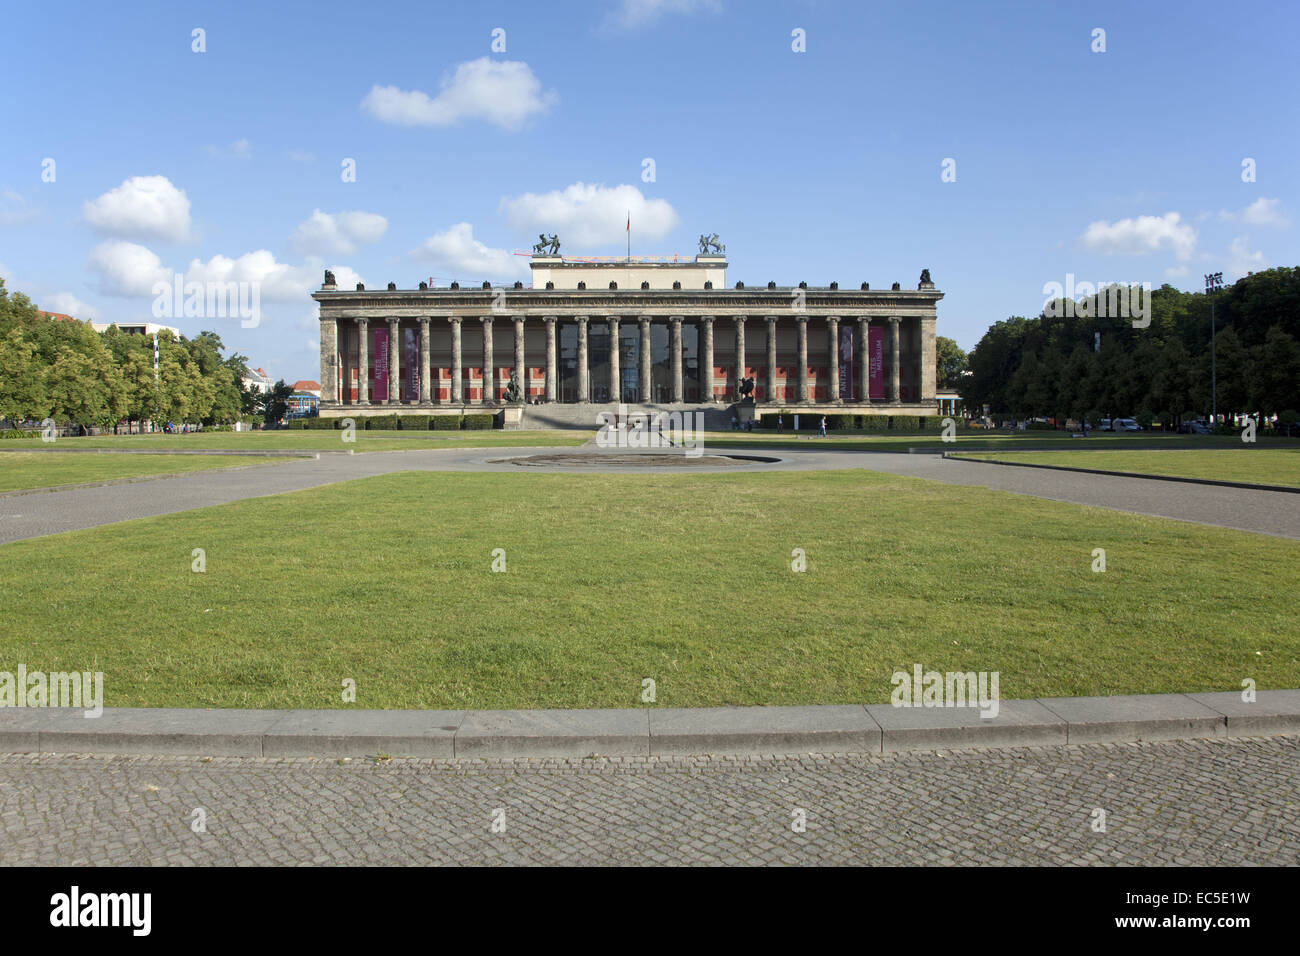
870, 423
17, 433
404, 423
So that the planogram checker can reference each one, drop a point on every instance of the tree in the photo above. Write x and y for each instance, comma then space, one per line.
22, 385
277, 401
950, 362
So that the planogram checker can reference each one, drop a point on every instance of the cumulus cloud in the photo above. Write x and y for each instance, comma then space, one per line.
504, 92
127, 269
458, 251
631, 14
1262, 212
1242, 259
1140, 236
337, 233
276, 280
69, 304
143, 207
590, 215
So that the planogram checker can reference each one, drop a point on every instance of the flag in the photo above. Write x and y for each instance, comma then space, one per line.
629, 220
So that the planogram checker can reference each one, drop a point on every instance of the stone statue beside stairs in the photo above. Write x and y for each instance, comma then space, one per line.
514, 394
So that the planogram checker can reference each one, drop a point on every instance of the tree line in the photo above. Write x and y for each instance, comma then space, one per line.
1054, 365
68, 372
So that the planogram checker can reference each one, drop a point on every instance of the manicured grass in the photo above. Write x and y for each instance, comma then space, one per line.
313, 440
1267, 466
611, 579
975, 440
21, 470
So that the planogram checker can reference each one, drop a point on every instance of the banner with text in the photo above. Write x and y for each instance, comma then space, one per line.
381, 365
846, 362
876, 360
411, 350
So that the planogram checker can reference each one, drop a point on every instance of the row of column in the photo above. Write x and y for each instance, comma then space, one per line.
329, 348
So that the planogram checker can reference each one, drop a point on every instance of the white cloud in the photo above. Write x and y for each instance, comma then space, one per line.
1262, 212
1242, 259
69, 304
585, 215
126, 269
346, 277
458, 251
634, 13
143, 207
1145, 234
239, 149
504, 92
15, 210
276, 280
337, 233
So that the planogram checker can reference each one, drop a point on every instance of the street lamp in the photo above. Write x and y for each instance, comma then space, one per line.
1213, 281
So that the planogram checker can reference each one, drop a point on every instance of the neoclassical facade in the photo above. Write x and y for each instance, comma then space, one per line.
640, 331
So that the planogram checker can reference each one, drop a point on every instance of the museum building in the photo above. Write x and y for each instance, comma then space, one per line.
639, 330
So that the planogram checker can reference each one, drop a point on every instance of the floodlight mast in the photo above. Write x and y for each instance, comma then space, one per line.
1213, 282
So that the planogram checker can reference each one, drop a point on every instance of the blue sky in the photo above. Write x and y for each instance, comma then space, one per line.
1123, 165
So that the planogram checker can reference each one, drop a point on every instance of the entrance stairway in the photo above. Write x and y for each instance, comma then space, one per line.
716, 417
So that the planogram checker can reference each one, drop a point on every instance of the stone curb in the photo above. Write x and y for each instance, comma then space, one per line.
1252, 486
856, 728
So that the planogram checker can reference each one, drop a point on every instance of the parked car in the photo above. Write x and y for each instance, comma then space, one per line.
1105, 425
1127, 425
1194, 428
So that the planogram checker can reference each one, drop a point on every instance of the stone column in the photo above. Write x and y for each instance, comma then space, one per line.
643, 360
864, 360
928, 359
521, 373
394, 373
329, 360
771, 358
457, 374
675, 353
740, 351
803, 358
706, 358
584, 386
489, 362
426, 392
363, 360
615, 375
894, 320
833, 354
550, 357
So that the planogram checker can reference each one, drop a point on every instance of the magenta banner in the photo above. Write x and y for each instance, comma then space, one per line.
845, 383
411, 356
381, 365
876, 360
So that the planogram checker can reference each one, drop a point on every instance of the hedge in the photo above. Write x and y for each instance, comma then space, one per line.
444, 423
381, 423
477, 422
16, 433
413, 423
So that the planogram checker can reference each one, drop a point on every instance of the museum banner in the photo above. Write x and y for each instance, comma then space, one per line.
411, 351
381, 365
846, 362
876, 360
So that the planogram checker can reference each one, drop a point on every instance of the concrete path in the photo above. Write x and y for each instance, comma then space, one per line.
26, 516
1223, 802
651, 731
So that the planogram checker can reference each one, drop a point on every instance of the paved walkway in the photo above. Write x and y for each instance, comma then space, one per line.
27, 516
1203, 802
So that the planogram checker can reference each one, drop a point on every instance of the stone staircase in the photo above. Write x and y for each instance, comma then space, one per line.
716, 417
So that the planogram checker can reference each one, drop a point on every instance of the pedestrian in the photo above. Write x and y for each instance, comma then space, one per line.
822, 433
735, 425
780, 424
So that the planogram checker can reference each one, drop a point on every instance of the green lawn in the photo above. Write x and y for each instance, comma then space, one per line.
21, 470
1268, 466
313, 440
975, 440
614, 578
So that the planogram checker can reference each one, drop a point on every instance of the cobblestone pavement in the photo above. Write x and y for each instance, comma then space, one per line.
1177, 802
